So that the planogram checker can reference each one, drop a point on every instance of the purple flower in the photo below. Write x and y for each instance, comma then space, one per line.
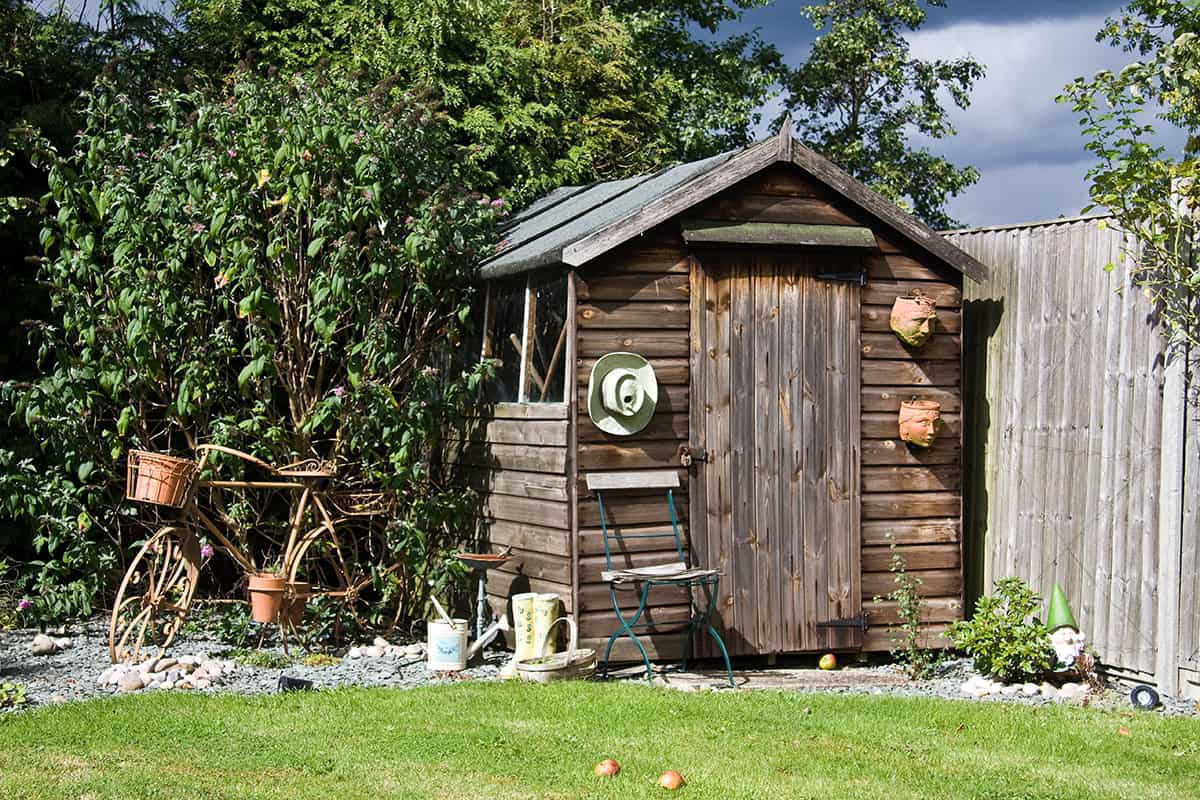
24, 604
231, 153
408, 220
206, 550
140, 154
367, 193
338, 391
498, 202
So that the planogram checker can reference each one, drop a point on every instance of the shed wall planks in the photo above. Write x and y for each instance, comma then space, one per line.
1066, 382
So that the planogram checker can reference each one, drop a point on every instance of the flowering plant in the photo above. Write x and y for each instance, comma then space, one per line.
232, 265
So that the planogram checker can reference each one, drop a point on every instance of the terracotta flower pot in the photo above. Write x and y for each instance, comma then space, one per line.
266, 596
295, 600
156, 478
920, 421
912, 319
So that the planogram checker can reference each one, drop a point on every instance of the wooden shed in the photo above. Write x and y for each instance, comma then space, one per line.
759, 285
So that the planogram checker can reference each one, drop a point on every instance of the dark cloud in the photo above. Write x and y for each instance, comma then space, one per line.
1027, 147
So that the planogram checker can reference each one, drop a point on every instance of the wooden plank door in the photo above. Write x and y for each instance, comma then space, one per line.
775, 405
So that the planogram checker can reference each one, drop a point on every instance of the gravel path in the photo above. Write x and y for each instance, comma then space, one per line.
72, 673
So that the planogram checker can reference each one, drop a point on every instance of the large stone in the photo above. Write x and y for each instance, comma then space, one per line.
147, 666
1072, 691
130, 682
164, 664
42, 645
372, 652
202, 683
381, 642
414, 650
1029, 689
107, 677
355, 652
62, 643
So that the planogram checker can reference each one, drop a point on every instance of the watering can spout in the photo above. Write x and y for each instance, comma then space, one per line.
488, 635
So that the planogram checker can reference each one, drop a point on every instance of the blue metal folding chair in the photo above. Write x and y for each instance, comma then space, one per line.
676, 574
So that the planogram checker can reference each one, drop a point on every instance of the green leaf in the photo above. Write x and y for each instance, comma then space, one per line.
315, 246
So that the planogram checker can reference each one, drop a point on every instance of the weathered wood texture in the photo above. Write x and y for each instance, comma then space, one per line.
515, 457
1066, 387
908, 495
634, 298
775, 378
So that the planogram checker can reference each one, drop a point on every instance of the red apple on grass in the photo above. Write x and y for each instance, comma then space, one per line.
670, 780
607, 768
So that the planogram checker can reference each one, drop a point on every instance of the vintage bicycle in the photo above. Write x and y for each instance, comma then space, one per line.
315, 560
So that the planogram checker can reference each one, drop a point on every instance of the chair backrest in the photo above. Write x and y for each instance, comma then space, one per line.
612, 482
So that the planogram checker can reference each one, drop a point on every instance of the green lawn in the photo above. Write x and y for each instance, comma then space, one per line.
487, 740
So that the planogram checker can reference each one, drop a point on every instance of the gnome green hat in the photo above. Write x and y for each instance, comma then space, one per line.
622, 393
1058, 612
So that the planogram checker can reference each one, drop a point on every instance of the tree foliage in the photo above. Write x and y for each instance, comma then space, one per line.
860, 95
1154, 194
542, 93
282, 266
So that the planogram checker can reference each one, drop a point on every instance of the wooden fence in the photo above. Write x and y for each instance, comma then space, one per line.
1084, 455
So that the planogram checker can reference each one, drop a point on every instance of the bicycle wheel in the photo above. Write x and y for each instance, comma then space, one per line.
155, 595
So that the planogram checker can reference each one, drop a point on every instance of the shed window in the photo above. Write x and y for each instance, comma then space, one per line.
526, 335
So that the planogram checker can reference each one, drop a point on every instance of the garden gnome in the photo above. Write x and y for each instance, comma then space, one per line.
1064, 630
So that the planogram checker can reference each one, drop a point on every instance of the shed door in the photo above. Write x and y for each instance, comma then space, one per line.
775, 403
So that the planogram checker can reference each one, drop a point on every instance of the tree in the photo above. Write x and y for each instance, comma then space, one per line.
282, 266
1153, 194
860, 95
539, 93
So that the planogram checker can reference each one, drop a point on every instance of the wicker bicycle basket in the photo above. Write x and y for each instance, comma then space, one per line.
156, 478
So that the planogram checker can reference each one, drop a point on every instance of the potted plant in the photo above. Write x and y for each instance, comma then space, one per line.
266, 595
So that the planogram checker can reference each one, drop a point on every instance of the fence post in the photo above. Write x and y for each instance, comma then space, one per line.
1170, 523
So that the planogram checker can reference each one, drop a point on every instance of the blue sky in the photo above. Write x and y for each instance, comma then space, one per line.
1027, 148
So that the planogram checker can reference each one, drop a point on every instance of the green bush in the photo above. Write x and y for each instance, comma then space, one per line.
281, 265
1003, 637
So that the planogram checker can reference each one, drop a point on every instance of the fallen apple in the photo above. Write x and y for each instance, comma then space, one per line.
828, 661
607, 768
670, 780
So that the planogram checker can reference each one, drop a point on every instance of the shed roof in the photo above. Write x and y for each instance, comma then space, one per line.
575, 224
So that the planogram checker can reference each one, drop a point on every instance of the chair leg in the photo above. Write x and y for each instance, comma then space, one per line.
725, 653
626, 629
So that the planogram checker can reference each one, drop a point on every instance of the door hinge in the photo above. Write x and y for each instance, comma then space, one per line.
689, 455
859, 622
859, 277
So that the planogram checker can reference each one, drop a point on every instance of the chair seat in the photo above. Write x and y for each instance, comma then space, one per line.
677, 572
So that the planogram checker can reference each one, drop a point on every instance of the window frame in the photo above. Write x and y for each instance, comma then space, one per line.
529, 320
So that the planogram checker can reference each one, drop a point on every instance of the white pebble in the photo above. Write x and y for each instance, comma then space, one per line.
355, 652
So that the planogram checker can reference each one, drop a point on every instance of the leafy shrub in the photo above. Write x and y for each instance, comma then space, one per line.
1003, 637
284, 266
321, 660
907, 649
264, 659
12, 694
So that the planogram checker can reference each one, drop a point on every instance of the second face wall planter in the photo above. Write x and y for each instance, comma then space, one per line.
912, 319
920, 421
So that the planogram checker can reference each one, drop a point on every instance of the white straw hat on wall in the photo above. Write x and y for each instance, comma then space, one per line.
622, 393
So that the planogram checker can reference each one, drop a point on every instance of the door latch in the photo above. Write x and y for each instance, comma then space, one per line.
689, 455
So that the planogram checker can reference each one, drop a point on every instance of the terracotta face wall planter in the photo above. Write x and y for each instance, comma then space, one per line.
912, 319
920, 421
